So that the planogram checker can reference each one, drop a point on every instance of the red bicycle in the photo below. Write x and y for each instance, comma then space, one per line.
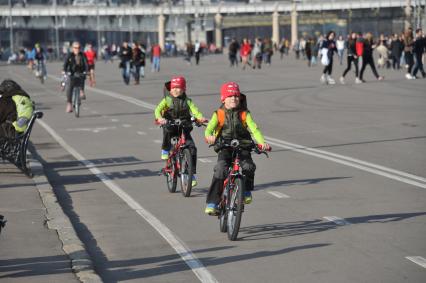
231, 205
179, 164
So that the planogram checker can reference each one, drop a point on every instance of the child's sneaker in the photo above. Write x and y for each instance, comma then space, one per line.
164, 154
194, 181
247, 197
210, 209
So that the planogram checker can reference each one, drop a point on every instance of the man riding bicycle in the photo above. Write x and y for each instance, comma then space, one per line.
40, 60
76, 65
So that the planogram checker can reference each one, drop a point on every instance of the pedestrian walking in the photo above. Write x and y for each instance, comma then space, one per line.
367, 57
340, 44
396, 48
327, 51
419, 48
126, 58
408, 52
197, 49
256, 53
232, 52
245, 53
156, 54
352, 57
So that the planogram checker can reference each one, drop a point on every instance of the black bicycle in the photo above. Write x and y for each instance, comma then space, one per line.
78, 79
15, 149
231, 205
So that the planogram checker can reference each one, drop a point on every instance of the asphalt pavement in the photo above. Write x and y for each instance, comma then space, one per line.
342, 197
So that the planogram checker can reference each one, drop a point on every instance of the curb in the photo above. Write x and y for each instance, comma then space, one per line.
56, 219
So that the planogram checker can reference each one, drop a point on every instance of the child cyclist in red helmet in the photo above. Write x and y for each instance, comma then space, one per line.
232, 121
176, 105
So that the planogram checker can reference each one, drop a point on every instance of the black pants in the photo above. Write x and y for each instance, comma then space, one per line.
419, 65
409, 60
368, 60
348, 68
233, 60
224, 160
329, 68
197, 58
172, 131
396, 62
74, 82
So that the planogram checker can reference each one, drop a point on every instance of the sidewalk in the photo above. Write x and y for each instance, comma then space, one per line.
31, 248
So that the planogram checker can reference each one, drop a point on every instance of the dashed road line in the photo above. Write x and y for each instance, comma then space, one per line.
278, 194
417, 260
141, 133
158, 141
337, 220
114, 120
126, 126
204, 160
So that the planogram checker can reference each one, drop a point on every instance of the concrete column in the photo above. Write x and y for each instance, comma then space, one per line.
161, 30
408, 14
276, 28
294, 32
218, 30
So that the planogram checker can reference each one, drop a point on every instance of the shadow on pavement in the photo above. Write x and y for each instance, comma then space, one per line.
287, 229
34, 266
172, 263
294, 182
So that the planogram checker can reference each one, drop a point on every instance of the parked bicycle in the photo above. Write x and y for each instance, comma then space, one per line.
179, 164
231, 205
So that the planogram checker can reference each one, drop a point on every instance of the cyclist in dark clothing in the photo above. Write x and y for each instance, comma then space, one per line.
419, 47
126, 58
352, 57
367, 57
76, 65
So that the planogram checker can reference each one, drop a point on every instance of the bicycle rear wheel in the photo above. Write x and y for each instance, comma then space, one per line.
235, 209
171, 177
186, 173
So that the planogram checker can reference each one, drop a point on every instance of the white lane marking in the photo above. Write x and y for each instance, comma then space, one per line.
93, 130
337, 220
383, 168
141, 133
94, 112
205, 160
114, 120
158, 141
325, 155
418, 260
153, 128
278, 194
345, 160
126, 126
177, 244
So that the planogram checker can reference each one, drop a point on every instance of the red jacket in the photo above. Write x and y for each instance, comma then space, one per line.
245, 49
156, 51
359, 47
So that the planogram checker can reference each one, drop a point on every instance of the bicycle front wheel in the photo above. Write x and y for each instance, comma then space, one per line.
171, 177
235, 208
76, 101
186, 173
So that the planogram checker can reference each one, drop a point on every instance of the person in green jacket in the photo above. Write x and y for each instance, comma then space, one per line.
16, 109
232, 121
177, 105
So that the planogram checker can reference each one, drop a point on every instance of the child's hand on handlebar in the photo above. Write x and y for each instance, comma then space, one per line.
264, 147
210, 139
202, 120
161, 121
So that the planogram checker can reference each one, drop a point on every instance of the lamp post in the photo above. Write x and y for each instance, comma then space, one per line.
56, 29
11, 26
98, 32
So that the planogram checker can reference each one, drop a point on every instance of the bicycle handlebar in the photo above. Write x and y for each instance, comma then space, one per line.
235, 144
183, 123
